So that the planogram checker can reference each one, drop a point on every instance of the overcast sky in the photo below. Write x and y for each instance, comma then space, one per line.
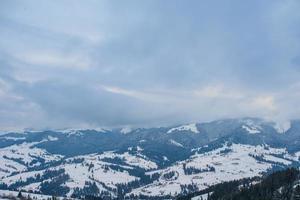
147, 63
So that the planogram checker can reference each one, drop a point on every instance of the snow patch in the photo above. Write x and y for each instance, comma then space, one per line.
251, 126
175, 143
251, 129
80, 132
189, 127
32, 195
50, 138
13, 138
138, 160
200, 197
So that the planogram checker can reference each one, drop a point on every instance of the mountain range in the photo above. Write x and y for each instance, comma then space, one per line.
147, 163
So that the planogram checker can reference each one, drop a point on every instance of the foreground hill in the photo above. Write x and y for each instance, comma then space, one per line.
145, 163
276, 186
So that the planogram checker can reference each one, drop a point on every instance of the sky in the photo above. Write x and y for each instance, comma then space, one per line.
69, 63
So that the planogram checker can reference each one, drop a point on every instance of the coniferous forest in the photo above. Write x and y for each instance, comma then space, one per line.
280, 185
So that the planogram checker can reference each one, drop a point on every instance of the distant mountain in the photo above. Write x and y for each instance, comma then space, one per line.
145, 162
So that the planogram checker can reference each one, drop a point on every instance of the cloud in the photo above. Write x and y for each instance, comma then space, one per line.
264, 102
53, 59
106, 63
218, 91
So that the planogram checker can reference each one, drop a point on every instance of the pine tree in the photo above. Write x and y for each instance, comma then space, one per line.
277, 196
296, 193
20, 195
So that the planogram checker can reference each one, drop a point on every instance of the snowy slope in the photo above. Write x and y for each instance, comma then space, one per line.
8, 193
81, 169
223, 164
18, 158
154, 162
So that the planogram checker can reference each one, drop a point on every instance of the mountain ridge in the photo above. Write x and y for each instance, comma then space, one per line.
145, 162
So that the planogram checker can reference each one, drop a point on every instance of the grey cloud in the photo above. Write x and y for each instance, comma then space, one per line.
55, 58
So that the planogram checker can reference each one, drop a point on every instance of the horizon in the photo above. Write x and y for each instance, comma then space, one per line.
281, 125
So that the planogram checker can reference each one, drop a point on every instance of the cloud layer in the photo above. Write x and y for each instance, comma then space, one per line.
147, 63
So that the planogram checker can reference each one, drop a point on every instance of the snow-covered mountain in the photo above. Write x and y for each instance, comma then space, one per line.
146, 162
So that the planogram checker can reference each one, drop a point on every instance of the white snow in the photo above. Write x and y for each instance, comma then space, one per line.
139, 148
26, 153
32, 187
175, 143
188, 127
238, 161
200, 197
50, 138
21, 177
79, 174
277, 160
251, 129
91, 169
251, 126
227, 163
32, 195
138, 160
235, 164
297, 155
79, 132
13, 138
70, 132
